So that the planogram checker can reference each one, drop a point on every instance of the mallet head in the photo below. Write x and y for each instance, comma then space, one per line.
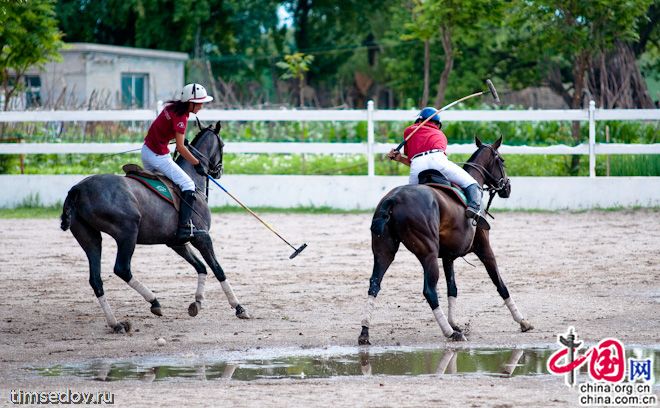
492, 90
299, 250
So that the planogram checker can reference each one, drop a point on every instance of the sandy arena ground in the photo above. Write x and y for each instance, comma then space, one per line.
597, 271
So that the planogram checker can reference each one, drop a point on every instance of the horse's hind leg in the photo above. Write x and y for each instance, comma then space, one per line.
205, 247
186, 253
384, 247
431, 274
483, 250
90, 241
125, 249
452, 292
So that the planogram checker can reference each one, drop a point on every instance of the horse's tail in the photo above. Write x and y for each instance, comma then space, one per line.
382, 216
68, 208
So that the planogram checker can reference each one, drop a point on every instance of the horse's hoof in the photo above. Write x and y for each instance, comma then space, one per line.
363, 339
456, 327
525, 326
241, 313
155, 308
194, 308
122, 327
458, 336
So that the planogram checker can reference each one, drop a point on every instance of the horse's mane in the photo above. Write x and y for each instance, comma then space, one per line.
199, 135
474, 155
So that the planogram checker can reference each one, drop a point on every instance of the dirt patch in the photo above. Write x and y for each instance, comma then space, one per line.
596, 271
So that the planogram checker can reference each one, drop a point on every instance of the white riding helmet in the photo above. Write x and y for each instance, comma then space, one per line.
195, 93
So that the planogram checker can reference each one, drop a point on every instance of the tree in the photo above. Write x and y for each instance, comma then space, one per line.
100, 21
28, 37
296, 65
422, 27
562, 42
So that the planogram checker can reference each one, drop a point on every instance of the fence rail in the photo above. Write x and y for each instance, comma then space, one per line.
370, 115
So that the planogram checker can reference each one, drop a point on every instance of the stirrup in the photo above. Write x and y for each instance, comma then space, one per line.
185, 232
479, 220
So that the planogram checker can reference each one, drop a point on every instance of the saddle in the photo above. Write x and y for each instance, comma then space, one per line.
435, 179
156, 182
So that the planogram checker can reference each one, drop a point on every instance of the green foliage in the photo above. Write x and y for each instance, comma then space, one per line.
28, 38
295, 65
515, 133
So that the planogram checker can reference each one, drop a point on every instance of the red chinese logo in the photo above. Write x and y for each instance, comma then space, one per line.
606, 360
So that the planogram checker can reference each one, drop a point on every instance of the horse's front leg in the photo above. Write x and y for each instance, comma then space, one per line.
205, 247
431, 275
452, 292
185, 252
485, 253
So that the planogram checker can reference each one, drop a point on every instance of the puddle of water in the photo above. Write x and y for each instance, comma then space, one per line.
324, 363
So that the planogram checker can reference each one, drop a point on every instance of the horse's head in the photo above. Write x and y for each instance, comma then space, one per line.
490, 165
208, 147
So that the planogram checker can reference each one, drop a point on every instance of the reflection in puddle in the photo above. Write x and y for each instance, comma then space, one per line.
322, 363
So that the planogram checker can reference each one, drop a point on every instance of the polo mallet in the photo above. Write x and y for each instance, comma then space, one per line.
491, 89
297, 250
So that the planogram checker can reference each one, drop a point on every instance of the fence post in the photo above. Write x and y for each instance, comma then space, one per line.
592, 139
370, 138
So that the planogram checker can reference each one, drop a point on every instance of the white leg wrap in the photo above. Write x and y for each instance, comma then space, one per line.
142, 290
228, 372
229, 293
447, 364
517, 316
442, 322
451, 310
109, 317
201, 280
368, 311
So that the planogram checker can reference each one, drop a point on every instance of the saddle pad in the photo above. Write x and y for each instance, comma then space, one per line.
155, 182
454, 192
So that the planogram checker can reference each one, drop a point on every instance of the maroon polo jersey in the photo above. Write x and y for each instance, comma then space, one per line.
427, 138
164, 129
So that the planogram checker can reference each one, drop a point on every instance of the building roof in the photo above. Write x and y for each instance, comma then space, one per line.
130, 51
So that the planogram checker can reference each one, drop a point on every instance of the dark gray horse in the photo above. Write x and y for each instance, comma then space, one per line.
131, 214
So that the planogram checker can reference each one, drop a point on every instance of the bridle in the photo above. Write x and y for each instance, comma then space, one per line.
214, 169
493, 184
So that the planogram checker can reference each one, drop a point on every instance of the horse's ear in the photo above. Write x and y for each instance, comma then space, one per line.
477, 141
218, 126
497, 143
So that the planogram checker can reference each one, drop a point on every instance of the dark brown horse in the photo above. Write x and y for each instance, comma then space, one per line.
131, 214
432, 224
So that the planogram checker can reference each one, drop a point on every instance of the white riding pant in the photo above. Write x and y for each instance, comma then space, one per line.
164, 164
440, 162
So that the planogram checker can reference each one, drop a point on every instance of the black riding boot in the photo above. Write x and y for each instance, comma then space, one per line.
186, 228
473, 195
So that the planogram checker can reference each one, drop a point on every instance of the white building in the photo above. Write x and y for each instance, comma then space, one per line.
96, 76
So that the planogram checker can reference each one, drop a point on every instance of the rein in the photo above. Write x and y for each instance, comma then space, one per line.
493, 184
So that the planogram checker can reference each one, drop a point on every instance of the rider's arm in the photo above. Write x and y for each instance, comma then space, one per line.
183, 150
397, 156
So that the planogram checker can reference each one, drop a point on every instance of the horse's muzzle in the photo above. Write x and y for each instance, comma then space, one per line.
505, 191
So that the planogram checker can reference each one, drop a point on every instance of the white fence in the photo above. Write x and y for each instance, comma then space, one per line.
370, 115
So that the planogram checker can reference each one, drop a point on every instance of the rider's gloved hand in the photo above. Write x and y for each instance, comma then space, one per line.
199, 168
394, 155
